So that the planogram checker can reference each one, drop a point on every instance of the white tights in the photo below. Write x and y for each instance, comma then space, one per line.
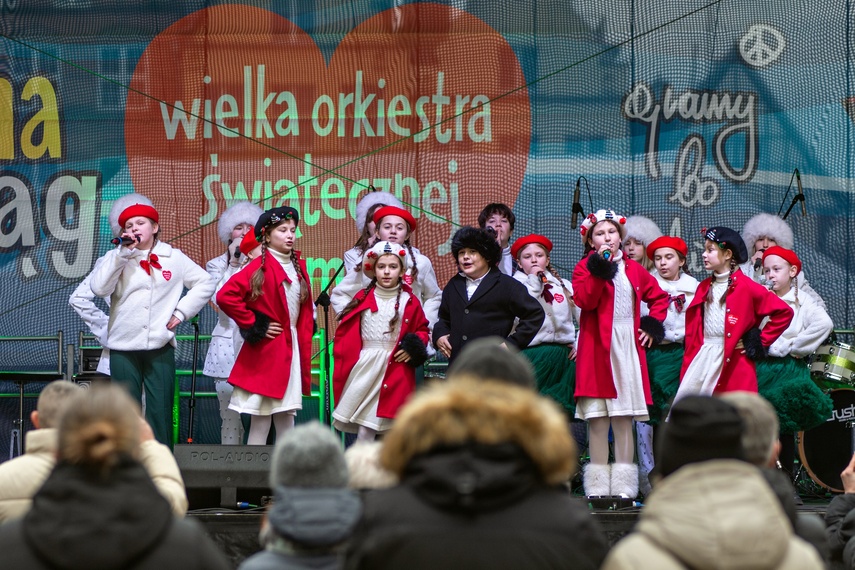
259, 427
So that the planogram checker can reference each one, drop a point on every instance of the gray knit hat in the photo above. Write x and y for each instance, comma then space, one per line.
308, 456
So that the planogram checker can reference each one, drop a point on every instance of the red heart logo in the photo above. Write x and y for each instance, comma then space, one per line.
424, 100
559, 298
167, 274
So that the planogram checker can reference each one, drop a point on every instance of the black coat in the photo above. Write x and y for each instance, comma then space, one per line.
475, 506
840, 529
82, 521
497, 301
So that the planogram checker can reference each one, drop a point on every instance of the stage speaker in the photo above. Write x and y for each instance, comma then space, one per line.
225, 476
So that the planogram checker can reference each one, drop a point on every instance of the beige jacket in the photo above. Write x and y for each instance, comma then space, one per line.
22, 477
714, 515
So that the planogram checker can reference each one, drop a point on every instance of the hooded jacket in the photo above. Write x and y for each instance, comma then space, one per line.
81, 521
481, 466
714, 515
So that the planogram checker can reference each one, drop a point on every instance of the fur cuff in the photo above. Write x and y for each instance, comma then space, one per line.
413, 345
754, 349
654, 328
601, 268
258, 329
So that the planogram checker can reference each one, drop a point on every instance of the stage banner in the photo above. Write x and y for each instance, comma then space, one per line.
693, 112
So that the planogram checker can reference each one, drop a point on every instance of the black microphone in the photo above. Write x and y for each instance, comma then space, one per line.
576, 205
759, 261
125, 240
801, 192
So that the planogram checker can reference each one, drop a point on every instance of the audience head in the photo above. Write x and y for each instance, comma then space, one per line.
486, 359
308, 456
700, 429
468, 412
99, 429
363, 466
760, 427
53, 400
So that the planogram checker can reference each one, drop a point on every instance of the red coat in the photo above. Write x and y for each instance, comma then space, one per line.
400, 378
596, 298
264, 367
746, 305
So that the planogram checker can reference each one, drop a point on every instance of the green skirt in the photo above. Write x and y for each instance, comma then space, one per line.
663, 368
800, 403
555, 373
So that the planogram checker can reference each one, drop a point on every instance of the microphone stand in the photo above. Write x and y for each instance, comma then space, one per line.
324, 301
796, 199
192, 402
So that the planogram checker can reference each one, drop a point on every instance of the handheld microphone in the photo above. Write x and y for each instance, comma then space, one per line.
607, 255
542, 276
759, 261
576, 205
125, 240
801, 192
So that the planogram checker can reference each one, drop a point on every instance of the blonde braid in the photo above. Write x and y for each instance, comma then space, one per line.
304, 292
415, 272
729, 281
256, 282
394, 320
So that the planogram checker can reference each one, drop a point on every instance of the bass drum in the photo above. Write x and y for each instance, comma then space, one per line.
827, 449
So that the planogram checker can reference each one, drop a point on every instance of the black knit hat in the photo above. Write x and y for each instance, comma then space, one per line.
273, 216
479, 240
700, 428
728, 239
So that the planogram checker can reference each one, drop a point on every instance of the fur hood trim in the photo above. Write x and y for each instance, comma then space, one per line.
370, 199
487, 412
120, 205
767, 225
642, 229
237, 213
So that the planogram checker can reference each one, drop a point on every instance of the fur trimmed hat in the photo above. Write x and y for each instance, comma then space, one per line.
595, 218
369, 259
373, 199
238, 213
120, 205
642, 229
479, 240
308, 456
769, 226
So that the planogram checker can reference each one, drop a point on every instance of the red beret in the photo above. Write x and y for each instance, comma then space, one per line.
137, 210
674, 243
530, 239
787, 254
248, 243
395, 211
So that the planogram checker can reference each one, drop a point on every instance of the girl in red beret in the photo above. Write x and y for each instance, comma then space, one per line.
552, 352
271, 301
784, 378
396, 225
144, 279
380, 341
612, 388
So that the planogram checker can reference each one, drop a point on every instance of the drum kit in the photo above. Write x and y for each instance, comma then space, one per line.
827, 449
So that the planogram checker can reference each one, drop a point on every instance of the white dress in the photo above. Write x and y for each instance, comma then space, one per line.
361, 393
626, 366
246, 402
705, 369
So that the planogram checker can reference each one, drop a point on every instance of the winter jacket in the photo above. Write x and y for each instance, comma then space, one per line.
715, 515
263, 365
840, 529
23, 476
81, 521
142, 304
746, 305
558, 317
481, 466
809, 328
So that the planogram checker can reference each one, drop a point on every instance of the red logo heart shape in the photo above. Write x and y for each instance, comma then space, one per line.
167, 274
423, 100
559, 298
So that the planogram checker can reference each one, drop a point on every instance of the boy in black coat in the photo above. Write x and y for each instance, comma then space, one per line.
481, 301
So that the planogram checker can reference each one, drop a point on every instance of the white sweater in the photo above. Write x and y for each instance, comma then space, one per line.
142, 304
675, 323
810, 326
558, 317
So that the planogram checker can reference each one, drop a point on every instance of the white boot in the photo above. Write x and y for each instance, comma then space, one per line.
625, 480
596, 480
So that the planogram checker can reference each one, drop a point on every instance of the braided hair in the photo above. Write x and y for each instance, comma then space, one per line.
415, 271
257, 280
304, 290
356, 299
733, 269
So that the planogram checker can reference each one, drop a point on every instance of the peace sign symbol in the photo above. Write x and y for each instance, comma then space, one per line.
761, 45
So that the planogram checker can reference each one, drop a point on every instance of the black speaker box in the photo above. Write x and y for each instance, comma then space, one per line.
225, 476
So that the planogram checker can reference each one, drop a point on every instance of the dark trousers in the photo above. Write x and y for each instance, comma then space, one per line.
154, 371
